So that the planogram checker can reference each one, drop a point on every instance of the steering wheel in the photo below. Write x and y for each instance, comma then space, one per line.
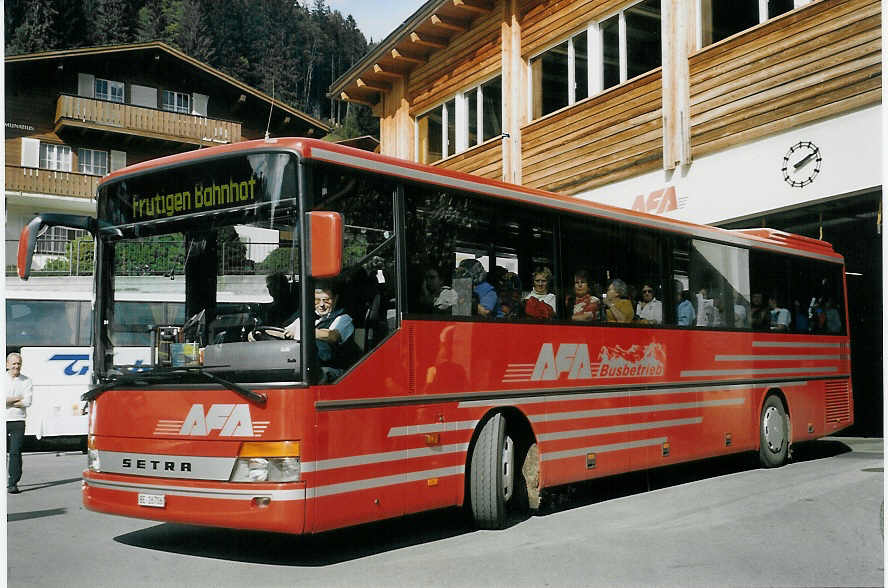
266, 333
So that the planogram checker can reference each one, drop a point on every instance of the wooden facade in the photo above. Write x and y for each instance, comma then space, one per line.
817, 61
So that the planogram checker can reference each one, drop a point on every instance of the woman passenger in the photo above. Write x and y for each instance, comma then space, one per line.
618, 307
583, 306
649, 310
539, 303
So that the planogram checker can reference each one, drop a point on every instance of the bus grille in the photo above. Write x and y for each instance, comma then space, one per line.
838, 402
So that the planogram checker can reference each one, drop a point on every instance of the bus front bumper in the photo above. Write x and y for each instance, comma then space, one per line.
264, 507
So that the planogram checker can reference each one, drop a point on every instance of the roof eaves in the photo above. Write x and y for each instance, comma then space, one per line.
386, 45
178, 54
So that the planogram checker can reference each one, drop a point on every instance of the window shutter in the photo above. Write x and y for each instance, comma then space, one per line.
30, 152
143, 96
118, 160
199, 104
86, 85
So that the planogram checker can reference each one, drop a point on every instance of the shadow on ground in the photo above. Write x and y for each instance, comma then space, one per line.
293, 550
371, 539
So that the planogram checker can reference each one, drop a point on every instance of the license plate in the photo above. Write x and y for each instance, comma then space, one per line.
154, 500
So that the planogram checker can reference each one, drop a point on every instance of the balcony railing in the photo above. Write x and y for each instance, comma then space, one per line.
146, 122
47, 181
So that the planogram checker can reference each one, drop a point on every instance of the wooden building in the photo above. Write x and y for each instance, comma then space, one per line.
752, 113
73, 116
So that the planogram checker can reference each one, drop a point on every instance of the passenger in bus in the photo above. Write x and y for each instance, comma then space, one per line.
582, 305
283, 306
759, 313
741, 314
336, 347
800, 321
778, 316
510, 300
485, 301
539, 303
706, 313
617, 306
685, 313
833, 318
436, 296
649, 310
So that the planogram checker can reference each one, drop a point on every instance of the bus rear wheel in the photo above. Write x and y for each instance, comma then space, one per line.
774, 433
492, 474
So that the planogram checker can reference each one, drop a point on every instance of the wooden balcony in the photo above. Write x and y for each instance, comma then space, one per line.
126, 119
46, 181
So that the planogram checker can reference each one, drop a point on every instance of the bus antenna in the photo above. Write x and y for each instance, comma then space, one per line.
270, 109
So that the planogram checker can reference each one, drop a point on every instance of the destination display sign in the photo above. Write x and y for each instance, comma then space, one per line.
207, 186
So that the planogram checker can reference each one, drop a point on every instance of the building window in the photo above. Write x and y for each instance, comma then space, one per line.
719, 20
466, 120
55, 239
93, 162
55, 157
176, 102
109, 90
607, 53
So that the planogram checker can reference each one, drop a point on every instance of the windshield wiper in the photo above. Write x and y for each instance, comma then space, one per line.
142, 380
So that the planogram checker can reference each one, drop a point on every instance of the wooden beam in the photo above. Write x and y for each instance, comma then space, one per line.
375, 86
450, 24
381, 71
428, 40
348, 98
476, 6
417, 59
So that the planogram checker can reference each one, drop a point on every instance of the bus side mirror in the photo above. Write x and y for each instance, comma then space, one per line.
325, 232
37, 226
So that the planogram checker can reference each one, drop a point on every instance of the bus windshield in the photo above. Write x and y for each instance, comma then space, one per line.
232, 265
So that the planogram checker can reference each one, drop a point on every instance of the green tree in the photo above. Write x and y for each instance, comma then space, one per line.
35, 31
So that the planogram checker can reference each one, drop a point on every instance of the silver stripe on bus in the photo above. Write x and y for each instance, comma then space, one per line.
368, 483
618, 429
796, 344
213, 493
431, 428
620, 394
386, 456
756, 371
645, 408
443, 180
780, 357
602, 448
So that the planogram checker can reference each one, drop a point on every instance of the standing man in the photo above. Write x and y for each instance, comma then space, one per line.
19, 391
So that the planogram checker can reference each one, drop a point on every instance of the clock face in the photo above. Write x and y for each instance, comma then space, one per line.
801, 164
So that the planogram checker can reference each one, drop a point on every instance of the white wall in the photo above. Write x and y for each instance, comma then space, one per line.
747, 180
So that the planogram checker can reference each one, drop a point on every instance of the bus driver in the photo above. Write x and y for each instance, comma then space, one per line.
337, 349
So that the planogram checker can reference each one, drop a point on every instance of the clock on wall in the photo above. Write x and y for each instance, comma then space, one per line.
801, 164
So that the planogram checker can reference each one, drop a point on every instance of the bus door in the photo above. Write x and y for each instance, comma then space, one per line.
361, 404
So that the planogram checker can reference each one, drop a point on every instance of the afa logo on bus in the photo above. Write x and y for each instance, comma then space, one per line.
613, 361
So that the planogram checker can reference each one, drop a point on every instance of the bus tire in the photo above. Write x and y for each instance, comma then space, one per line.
773, 433
491, 474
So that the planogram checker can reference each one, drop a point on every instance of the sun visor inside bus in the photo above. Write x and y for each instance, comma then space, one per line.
272, 358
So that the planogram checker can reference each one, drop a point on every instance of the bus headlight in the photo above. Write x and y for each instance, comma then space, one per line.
92, 455
268, 462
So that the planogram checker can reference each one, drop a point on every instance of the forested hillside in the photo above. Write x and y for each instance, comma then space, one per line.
298, 47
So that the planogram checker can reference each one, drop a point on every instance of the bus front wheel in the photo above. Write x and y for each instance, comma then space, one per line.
492, 474
774, 433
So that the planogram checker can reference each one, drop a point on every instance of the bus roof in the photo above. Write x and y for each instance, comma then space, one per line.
319, 150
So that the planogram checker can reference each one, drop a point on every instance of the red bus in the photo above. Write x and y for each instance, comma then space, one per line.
431, 396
